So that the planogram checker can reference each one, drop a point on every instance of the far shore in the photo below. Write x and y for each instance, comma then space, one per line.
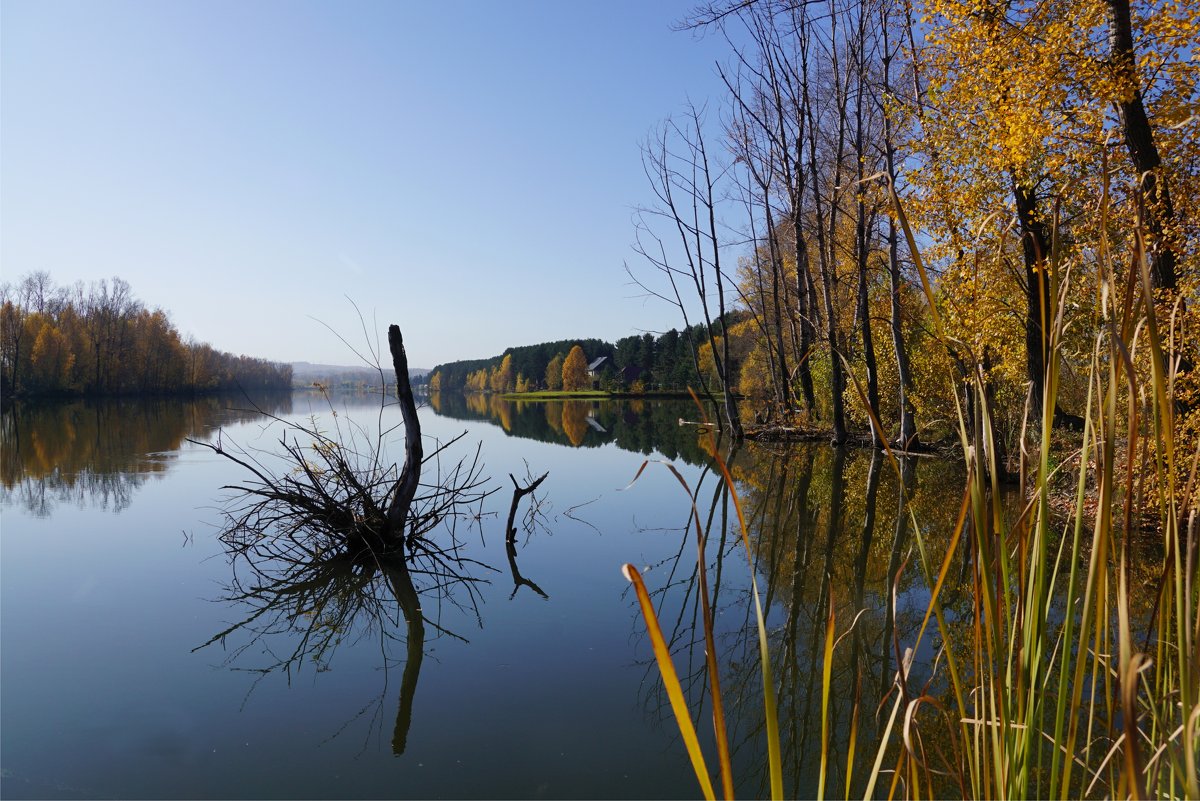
593, 394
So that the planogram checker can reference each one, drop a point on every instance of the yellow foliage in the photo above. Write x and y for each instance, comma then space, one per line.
574, 371
574, 420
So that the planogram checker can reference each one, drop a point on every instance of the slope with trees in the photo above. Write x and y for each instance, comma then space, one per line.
100, 340
641, 362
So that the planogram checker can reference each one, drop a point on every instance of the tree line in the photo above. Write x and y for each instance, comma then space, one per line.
669, 361
100, 339
895, 194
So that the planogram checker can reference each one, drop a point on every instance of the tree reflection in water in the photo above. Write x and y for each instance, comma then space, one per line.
97, 453
312, 608
817, 519
632, 425
301, 604
307, 590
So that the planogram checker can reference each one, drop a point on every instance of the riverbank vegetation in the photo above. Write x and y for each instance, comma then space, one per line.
100, 340
1010, 191
881, 174
1069, 667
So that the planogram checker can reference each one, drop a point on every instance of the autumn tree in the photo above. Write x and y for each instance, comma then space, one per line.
574, 371
502, 377
1017, 129
101, 340
554, 373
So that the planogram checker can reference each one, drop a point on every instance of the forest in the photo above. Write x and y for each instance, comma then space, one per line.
904, 198
636, 363
101, 340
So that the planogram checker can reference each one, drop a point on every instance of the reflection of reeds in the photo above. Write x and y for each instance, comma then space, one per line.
1047, 684
663, 655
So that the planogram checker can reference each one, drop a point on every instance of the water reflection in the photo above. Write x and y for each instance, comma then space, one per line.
299, 615
519, 581
829, 531
97, 453
317, 565
533, 519
634, 425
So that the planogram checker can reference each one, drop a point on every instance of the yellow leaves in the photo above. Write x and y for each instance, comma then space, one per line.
574, 421
574, 371
501, 378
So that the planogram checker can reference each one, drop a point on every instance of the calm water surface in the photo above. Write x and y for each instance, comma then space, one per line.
540, 683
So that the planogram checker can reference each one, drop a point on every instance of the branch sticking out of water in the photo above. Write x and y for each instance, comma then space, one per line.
519, 492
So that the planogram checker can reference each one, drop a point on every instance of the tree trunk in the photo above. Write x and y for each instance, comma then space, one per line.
410, 475
1155, 201
803, 309
1035, 247
860, 235
908, 425
784, 392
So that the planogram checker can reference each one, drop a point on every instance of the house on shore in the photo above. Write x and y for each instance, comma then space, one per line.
598, 369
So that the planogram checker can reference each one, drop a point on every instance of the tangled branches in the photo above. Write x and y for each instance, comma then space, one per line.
331, 501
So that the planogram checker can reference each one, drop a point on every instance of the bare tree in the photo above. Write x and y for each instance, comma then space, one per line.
685, 182
908, 427
765, 88
340, 493
863, 227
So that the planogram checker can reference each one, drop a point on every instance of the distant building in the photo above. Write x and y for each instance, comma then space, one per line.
632, 373
597, 367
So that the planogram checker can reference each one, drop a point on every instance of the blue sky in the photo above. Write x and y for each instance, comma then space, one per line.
467, 170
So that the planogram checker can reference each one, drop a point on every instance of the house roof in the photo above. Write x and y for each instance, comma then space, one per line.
596, 364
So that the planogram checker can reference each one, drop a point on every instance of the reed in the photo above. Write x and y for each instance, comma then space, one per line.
1056, 686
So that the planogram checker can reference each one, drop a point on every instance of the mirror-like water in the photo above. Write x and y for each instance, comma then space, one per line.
140, 661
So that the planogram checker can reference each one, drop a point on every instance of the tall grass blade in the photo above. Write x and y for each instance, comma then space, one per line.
770, 704
710, 648
826, 673
670, 681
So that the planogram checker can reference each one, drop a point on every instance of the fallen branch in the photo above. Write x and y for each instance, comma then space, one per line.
519, 492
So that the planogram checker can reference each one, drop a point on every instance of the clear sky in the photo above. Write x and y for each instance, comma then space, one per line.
466, 169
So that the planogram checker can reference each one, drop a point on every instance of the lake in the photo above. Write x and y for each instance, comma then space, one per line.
139, 660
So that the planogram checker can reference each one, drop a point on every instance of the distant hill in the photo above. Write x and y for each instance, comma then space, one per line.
305, 373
